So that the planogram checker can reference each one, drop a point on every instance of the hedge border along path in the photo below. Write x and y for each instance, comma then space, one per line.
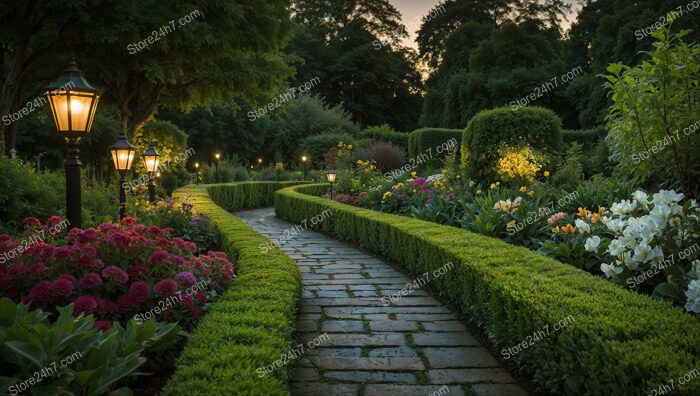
253, 322
619, 342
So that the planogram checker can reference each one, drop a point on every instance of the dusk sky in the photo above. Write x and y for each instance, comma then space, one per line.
413, 10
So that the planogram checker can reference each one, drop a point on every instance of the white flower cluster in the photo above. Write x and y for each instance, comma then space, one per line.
636, 246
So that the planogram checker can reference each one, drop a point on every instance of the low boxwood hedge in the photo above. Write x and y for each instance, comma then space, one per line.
586, 137
618, 342
251, 325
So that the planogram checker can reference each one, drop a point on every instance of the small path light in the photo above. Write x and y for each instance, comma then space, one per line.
123, 154
73, 103
305, 166
152, 159
330, 175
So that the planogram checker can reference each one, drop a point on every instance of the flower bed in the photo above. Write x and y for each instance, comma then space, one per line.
512, 292
251, 325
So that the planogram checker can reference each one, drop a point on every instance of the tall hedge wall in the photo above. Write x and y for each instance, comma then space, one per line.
618, 343
425, 140
251, 325
536, 126
386, 134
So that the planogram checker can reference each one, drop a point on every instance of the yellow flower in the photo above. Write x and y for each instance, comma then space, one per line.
555, 230
413, 174
493, 186
511, 224
531, 193
414, 190
472, 183
546, 173
517, 163
478, 192
400, 185
595, 217
523, 189
340, 144
349, 146
444, 171
386, 195
601, 210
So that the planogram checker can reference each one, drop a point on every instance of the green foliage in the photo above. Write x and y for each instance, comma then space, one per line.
169, 141
569, 173
385, 133
433, 142
251, 325
487, 131
517, 292
314, 146
655, 116
27, 192
227, 171
32, 346
585, 137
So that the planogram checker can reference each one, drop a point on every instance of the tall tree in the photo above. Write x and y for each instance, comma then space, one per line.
143, 54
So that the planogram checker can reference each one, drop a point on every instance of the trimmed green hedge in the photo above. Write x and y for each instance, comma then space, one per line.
588, 138
619, 343
238, 196
426, 140
536, 126
385, 133
251, 325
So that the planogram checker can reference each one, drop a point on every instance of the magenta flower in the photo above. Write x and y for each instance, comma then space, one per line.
115, 274
421, 181
136, 271
166, 288
139, 292
125, 303
40, 292
84, 304
159, 256
62, 288
102, 326
450, 197
90, 281
31, 221
107, 306
430, 201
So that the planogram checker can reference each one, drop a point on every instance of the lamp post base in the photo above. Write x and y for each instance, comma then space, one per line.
151, 191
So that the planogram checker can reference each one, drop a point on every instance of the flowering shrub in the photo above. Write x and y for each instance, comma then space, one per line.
113, 272
517, 164
653, 244
178, 216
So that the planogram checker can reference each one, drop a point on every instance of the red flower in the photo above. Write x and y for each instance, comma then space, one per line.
29, 221
166, 288
62, 288
139, 292
129, 220
115, 274
90, 281
53, 221
102, 326
84, 304
201, 298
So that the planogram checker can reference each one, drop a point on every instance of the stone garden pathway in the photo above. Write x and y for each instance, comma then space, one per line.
415, 346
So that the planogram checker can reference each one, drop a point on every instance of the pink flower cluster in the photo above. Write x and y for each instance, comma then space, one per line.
113, 271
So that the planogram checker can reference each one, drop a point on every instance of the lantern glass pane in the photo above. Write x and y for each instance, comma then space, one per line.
59, 104
151, 163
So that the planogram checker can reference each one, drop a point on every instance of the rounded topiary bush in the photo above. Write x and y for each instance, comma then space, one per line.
537, 127
432, 142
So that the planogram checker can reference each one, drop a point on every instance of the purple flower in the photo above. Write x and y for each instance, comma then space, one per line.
90, 281
115, 274
166, 288
187, 279
430, 201
450, 197
139, 292
421, 181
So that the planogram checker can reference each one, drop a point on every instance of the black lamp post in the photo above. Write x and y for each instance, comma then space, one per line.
151, 160
123, 154
330, 175
216, 163
305, 165
196, 173
73, 103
